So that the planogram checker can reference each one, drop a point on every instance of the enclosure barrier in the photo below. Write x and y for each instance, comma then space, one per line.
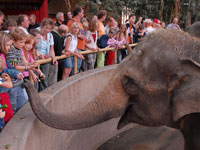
43, 61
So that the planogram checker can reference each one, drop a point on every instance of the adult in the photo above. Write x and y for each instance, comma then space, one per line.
59, 37
46, 50
78, 14
148, 26
130, 27
110, 24
23, 22
10, 24
59, 18
69, 17
101, 30
33, 23
174, 25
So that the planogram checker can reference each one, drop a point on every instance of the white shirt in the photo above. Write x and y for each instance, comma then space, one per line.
24, 29
73, 43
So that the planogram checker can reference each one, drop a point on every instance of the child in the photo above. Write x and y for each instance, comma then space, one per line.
92, 36
18, 96
5, 45
112, 42
139, 35
70, 44
37, 36
28, 54
122, 36
2, 116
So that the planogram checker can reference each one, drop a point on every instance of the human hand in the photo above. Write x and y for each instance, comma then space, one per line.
6, 77
54, 61
67, 53
35, 78
87, 41
46, 56
41, 56
20, 76
2, 114
42, 76
81, 56
33, 64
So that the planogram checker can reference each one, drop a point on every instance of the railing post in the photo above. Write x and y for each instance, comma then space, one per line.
75, 65
115, 56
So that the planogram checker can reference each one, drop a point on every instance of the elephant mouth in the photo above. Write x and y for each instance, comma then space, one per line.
134, 114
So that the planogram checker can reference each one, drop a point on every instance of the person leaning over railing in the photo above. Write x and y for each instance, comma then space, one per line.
28, 53
46, 50
59, 36
92, 36
17, 95
78, 15
122, 36
71, 49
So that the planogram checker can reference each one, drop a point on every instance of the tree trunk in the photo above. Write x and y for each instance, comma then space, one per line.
68, 5
189, 15
161, 10
177, 9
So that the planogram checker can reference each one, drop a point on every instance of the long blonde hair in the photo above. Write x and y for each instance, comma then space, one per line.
75, 25
4, 38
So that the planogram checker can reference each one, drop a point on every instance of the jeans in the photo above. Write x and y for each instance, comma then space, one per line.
50, 71
2, 123
17, 97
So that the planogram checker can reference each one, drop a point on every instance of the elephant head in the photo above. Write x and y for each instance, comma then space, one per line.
157, 84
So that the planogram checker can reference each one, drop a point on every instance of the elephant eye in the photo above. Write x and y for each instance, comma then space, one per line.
130, 85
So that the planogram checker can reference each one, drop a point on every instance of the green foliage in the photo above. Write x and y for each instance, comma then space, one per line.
146, 8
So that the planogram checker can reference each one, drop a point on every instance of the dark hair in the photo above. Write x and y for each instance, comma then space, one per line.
131, 15
141, 27
101, 13
20, 19
76, 11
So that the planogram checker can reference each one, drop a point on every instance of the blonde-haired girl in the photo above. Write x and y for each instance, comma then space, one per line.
70, 44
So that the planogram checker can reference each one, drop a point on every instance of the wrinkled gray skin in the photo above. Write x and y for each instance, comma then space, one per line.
157, 84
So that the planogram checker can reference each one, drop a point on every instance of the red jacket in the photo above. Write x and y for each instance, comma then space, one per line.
4, 99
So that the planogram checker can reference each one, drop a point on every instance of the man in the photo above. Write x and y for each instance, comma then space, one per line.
174, 25
101, 31
59, 37
23, 23
78, 14
111, 24
130, 27
69, 17
1, 18
59, 18
33, 23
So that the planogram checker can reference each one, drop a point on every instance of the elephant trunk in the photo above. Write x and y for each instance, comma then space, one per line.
110, 103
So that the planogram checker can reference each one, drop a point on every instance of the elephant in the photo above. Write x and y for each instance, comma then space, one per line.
157, 84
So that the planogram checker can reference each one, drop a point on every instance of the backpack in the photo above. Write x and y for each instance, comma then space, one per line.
102, 41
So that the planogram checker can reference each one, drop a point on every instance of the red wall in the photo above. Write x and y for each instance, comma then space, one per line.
40, 14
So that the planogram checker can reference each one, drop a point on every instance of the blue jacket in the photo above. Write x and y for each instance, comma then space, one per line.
12, 73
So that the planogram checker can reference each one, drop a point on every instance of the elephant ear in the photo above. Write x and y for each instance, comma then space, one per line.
186, 96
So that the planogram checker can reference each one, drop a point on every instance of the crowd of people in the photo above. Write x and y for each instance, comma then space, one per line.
23, 41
